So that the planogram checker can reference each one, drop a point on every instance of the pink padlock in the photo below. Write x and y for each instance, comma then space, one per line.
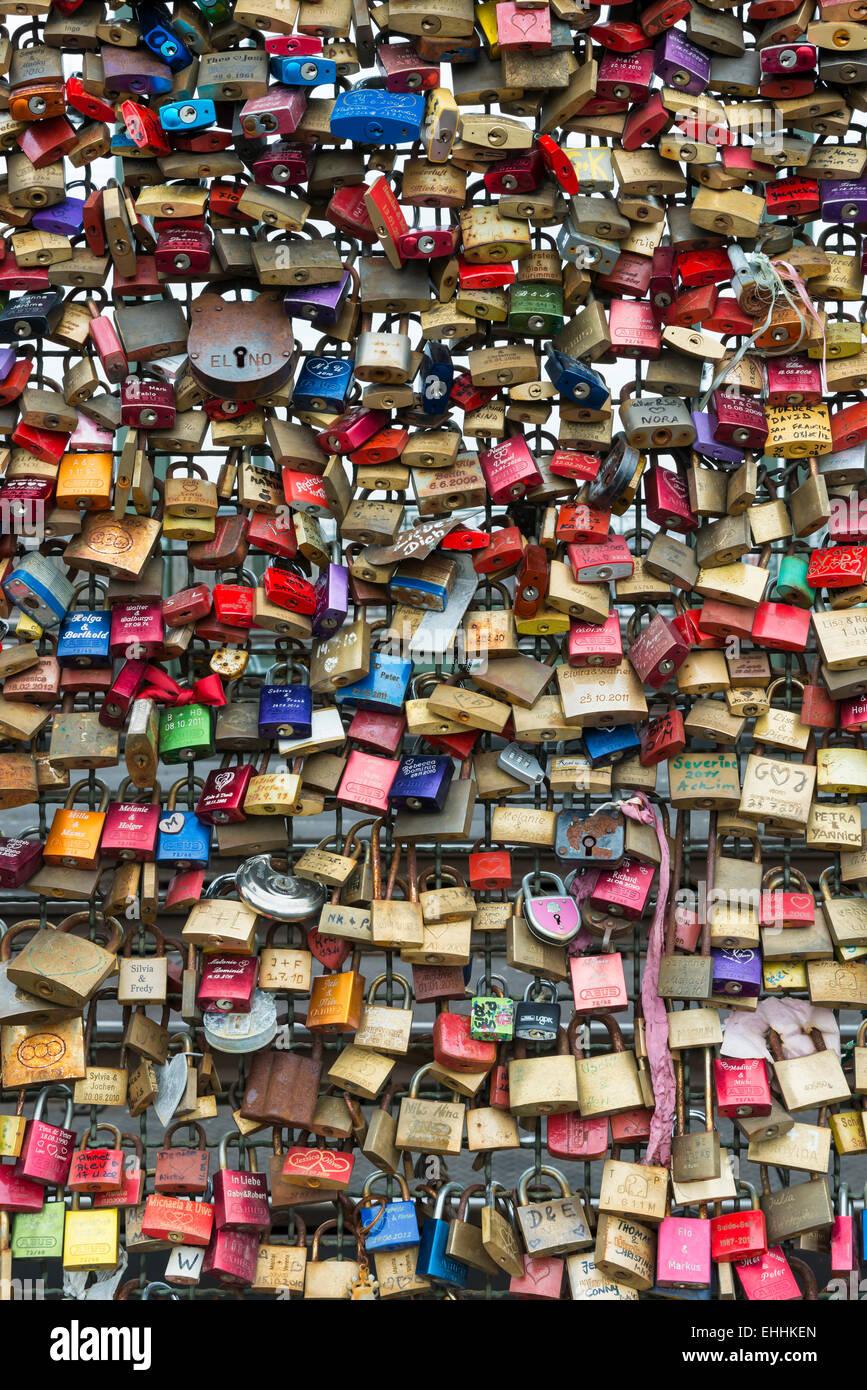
768, 1277
19, 860
377, 729
222, 798
240, 1198
121, 693
542, 1278
46, 1150
598, 984
596, 644
624, 891
666, 498
352, 429
625, 76
683, 1252
366, 782
793, 381
137, 629
509, 469
633, 328
742, 1086
740, 420
183, 251
657, 652
227, 984
421, 243
147, 404
597, 564
129, 833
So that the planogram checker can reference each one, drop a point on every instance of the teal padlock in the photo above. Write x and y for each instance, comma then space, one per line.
38, 1235
791, 586
186, 732
536, 308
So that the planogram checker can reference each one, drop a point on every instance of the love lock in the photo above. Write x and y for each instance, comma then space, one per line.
276, 893
240, 349
554, 917
243, 1032
596, 839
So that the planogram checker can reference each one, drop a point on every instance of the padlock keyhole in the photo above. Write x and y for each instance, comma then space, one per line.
240, 357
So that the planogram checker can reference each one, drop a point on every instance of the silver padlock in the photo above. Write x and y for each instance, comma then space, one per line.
657, 422
274, 892
383, 357
523, 766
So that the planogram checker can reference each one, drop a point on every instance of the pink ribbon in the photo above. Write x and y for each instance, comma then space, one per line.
658, 1150
801, 291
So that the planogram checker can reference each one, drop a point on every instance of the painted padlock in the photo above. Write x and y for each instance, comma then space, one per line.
551, 917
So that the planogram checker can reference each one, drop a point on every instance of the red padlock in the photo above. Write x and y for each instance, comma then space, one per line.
289, 590
97, 1169
489, 868
453, 1046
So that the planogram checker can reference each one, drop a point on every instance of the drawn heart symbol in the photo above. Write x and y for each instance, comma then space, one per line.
779, 775
330, 951
537, 1270
525, 21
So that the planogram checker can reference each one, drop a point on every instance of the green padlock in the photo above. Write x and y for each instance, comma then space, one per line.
186, 732
38, 1235
492, 1016
536, 308
791, 586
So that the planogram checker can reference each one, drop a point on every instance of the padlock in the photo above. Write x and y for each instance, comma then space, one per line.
552, 918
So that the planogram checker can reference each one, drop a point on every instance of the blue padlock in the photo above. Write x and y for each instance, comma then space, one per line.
285, 711
83, 639
384, 686
324, 383
433, 1263
575, 379
370, 117
183, 841
436, 376
303, 72
157, 33
422, 782
393, 1226
193, 114
609, 745
122, 144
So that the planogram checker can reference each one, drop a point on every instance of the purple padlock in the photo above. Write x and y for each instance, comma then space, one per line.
319, 303
422, 782
737, 971
65, 218
332, 599
7, 361
845, 201
681, 63
706, 424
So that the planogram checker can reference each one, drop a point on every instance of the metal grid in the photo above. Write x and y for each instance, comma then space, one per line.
487, 957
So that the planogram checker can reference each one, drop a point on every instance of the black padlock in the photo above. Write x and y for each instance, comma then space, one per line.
537, 1020
32, 316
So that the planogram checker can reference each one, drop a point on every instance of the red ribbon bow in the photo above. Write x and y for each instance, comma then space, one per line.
166, 691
